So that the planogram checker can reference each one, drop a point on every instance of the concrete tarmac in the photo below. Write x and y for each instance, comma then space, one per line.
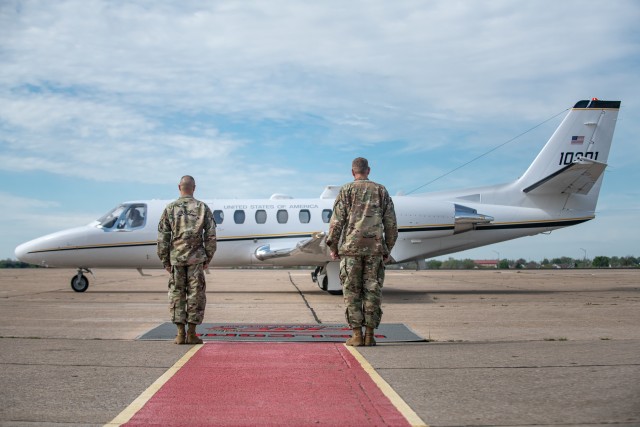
508, 348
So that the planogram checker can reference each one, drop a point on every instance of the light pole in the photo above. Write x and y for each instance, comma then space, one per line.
584, 258
498, 260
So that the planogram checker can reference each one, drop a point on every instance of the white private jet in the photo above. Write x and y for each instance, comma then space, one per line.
560, 188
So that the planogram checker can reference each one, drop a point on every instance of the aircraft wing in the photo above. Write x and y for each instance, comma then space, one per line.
309, 251
578, 177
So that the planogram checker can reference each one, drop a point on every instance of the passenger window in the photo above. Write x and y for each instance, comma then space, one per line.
261, 216
282, 216
305, 216
218, 216
326, 215
238, 217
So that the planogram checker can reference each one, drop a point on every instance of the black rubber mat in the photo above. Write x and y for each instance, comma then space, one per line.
387, 332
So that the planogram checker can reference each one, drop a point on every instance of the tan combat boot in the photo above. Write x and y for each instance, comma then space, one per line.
356, 338
181, 335
369, 340
192, 338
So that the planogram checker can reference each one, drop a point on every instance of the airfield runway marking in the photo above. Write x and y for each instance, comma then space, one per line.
231, 383
388, 391
146, 395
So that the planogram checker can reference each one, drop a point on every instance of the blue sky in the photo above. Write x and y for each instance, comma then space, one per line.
107, 101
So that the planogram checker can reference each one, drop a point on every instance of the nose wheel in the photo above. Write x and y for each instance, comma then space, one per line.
79, 282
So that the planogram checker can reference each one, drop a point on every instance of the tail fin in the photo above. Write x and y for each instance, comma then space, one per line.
575, 156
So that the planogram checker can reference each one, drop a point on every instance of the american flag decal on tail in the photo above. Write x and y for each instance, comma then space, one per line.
577, 139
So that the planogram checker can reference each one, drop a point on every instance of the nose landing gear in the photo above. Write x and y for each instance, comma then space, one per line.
79, 282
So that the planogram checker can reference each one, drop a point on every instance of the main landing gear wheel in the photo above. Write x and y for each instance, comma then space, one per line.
325, 287
79, 282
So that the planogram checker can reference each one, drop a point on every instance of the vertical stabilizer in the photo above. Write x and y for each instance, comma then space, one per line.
584, 136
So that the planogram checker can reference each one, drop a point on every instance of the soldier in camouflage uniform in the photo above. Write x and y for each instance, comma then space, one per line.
186, 244
362, 233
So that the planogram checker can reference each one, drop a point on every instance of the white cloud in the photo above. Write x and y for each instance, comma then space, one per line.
278, 57
39, 216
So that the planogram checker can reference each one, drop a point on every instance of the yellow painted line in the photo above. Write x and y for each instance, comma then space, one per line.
388, 391
146, 395
95, 246
598, 108
546, 220
409, 227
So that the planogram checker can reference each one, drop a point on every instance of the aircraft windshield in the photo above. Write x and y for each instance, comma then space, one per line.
124, 217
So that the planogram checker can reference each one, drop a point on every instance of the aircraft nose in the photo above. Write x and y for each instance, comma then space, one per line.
22, 253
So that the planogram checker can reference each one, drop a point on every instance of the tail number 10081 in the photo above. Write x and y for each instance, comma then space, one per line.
570, 157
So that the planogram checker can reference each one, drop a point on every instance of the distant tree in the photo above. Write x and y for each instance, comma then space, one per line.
521, 262
545, 262
434, 264
532, 265
601, 262
9, 263
503, 264
629, 261
450, 264
563, 261
568, 260
468, 264
455, 264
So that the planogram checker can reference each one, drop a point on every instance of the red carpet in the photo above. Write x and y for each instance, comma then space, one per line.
248, 384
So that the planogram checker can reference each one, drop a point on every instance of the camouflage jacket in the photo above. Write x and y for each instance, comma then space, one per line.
186, 233
363, 220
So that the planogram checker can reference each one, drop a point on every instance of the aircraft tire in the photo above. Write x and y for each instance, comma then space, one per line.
79, 284
335, 292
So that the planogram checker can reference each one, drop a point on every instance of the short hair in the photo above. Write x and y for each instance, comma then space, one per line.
188, 180
360, 165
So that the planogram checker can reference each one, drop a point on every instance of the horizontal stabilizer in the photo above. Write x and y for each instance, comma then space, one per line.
578, 177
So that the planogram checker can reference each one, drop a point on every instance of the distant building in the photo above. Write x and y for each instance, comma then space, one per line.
486, 263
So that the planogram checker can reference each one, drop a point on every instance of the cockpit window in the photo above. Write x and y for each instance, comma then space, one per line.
109, 220
125, 217
136, 216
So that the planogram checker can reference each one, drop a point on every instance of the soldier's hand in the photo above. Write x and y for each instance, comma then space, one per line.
334, 256
168, 269
205, 267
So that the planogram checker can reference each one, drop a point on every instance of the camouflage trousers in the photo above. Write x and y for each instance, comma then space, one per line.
187, 294
362, 278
